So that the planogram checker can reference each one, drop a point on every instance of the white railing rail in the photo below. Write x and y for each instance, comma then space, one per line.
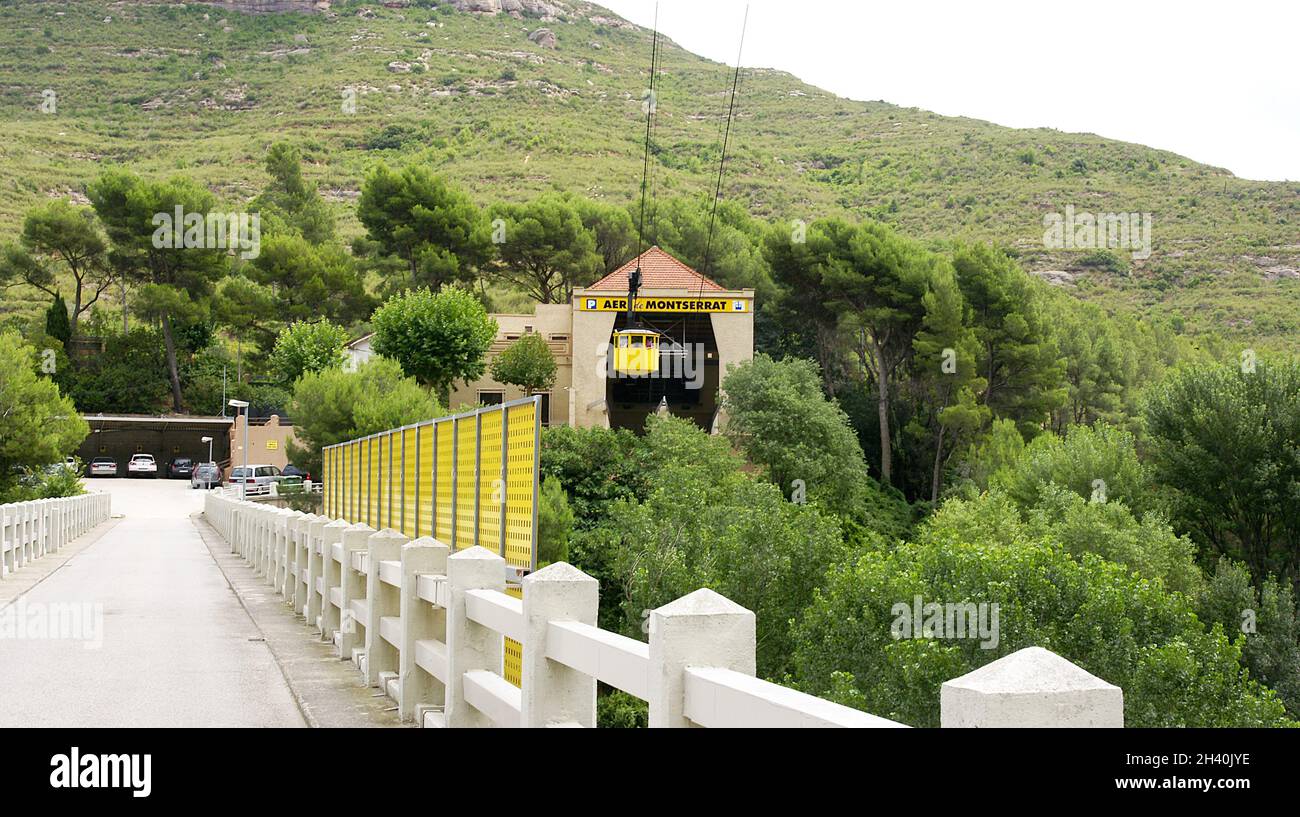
30, 530
427, 627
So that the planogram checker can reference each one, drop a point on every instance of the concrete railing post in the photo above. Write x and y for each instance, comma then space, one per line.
1032, 687
315, 536
470, 646
420, 621
296, 530
701, 629
4, 541
283, 555
384, 601
552, 692
353, 586
332, 575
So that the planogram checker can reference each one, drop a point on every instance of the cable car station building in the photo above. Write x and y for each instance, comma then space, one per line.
617, 366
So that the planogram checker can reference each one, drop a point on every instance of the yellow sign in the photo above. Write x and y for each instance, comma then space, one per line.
618, 303
272, 445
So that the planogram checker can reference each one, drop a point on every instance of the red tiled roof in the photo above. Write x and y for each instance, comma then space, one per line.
659, 270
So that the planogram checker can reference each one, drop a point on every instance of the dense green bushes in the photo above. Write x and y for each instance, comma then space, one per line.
1122, 628
38, 425
333, 406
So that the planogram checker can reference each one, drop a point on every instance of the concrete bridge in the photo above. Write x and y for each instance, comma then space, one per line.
250, 615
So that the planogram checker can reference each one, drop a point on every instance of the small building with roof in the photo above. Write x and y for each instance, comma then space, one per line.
703, 327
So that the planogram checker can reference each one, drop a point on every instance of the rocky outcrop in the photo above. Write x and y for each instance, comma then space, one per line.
269, 6
544, 37
1055, 277
515, 8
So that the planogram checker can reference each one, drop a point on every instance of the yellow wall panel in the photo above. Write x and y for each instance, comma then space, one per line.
512, 668
466, 486
372, 482
406, 456
521, 474
427, 471
446, 464
491, 490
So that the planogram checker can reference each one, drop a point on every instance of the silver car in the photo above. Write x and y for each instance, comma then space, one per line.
205, 475
255, 479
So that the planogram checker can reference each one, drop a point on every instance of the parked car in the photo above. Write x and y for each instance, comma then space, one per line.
294, 471
142, 465
69, 464
103, 467
180, 468
205, 475
293, 476
256, 479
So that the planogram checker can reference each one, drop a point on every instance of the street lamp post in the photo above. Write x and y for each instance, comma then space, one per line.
243, 483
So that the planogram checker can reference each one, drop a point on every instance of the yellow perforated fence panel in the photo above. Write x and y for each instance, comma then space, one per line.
466, 484
468, 480
512, 668
491, 487
442, 480
521, 483
407, 457
427, 462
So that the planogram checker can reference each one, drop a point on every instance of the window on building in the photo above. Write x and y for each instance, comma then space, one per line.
546, 408
491, 398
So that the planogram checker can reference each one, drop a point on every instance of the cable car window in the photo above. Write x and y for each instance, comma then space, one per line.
622, 341
636, 342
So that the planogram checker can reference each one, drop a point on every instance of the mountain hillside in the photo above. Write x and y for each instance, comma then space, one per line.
514, 97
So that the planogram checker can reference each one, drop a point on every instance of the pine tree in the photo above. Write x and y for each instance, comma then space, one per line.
57, 324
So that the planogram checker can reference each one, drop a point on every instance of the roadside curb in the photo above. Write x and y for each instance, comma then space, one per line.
327, 691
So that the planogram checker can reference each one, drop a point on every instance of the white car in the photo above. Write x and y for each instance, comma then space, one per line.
142, 465
255, 481
103, 467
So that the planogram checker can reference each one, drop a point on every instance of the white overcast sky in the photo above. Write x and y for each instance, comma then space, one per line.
1216, 82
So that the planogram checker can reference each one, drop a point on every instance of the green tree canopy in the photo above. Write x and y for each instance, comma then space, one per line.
778, 416
290, 199
176, 280
1023, 371
309, 281
129, 377
544, 248
1098, 463
526, 363
1116, 625
434, 228
38, 425
307, 347
437, 338
333, 406
61, 241
611, 227
705, 523
1226, 441
57, 324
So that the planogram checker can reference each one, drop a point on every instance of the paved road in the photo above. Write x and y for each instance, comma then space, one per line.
177, 647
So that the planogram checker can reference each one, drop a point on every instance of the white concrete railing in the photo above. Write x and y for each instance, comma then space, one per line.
427, 626
29, 530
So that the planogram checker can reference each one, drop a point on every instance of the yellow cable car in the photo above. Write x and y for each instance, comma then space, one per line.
636, 351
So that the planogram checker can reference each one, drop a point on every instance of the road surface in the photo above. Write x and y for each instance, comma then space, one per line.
162, 639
